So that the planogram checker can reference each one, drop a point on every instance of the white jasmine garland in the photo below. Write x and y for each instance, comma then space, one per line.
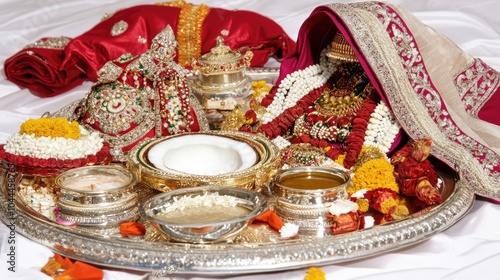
281, 142
382, 128
343, 206
298, 84
59, 148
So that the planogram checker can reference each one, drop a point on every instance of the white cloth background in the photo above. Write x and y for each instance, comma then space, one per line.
469, 249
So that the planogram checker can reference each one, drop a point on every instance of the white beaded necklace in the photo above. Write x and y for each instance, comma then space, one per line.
298, 84
382, 128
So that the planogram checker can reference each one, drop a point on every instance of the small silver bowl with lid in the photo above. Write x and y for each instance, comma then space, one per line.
99, 195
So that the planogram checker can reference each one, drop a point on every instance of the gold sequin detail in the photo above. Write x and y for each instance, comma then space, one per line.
189, 27
189, 32
118, 28
58, 43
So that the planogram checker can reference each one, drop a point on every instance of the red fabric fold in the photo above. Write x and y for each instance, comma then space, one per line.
38, 69
49, 72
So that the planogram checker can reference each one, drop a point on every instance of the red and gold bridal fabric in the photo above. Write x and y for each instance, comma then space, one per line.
52, 66
434, 89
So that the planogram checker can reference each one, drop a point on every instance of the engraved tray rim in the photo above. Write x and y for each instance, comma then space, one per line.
227, 258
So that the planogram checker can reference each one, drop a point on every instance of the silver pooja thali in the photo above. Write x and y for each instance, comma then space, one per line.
255, 249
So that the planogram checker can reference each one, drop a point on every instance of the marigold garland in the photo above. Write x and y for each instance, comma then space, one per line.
374, 174
51, 127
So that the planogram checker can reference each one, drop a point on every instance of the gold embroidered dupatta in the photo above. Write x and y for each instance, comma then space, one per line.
431, 85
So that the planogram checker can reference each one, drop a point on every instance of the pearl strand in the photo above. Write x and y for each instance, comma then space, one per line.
298, 84
382, 128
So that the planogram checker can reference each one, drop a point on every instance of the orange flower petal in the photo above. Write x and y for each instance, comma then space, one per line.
81, 271
132, 228
271, 218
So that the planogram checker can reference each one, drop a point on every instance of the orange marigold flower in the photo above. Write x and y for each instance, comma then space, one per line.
314, 273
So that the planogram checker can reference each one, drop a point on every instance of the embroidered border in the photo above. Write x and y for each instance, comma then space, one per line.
477, 84
421, 82
58, 43
404, 78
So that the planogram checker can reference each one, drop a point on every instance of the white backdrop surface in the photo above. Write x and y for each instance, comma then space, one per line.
470, 249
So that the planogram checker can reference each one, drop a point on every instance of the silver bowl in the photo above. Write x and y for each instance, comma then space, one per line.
204, 214
303, 196
92, 185
97, 196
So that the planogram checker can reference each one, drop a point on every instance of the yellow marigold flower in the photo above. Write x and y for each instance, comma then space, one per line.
314, 273
387, 205
374, 174
260, 88
363, 204
340, 159
401, 212
51, 127
401, 209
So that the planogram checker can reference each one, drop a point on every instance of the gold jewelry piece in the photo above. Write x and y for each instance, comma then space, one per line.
302, 154
347, 94
340, 106
189, 28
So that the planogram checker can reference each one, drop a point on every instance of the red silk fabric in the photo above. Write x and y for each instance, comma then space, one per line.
48, 72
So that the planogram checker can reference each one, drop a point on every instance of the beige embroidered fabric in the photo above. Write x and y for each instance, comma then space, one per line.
416, 68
